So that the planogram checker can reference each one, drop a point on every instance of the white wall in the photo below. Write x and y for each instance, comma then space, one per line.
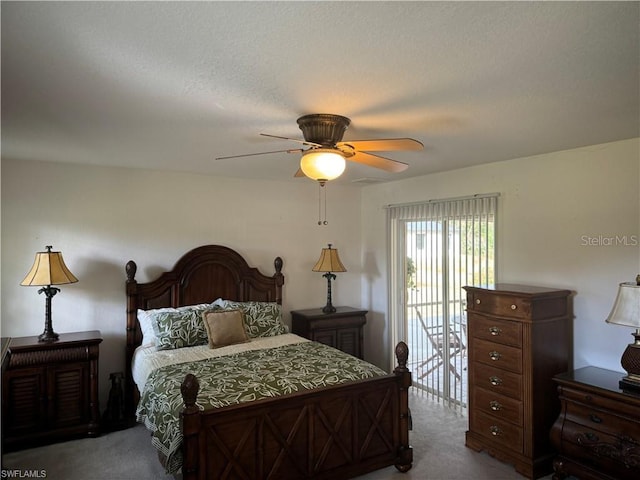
550, 207
100, 218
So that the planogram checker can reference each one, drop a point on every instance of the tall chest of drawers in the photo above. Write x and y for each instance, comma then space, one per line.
519, 337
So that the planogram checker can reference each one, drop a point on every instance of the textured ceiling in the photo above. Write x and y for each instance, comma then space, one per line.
172, 85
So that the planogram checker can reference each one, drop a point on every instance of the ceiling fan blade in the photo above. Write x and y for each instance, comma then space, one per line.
295, 150
304, 142
377, 161
384, 145
299, 173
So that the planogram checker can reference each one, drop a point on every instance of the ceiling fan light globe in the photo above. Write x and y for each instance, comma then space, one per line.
322, 164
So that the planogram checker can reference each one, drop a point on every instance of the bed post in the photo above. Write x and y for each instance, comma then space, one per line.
279, 277
405, 451
130, 399
190, 427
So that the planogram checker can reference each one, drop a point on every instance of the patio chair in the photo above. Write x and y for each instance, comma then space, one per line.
437, 338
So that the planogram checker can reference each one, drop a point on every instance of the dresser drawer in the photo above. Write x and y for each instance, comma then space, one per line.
601, 420
502, 305
627, 409
497, 431
498, 406
495, 330
615, 455
497, 380
498, 355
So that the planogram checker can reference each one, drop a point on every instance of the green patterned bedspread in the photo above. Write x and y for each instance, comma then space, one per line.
239, 378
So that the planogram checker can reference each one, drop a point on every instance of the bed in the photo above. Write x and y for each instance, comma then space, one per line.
333, 430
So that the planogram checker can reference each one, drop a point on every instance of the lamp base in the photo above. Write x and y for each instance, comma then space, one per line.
630, 361
629, 384
48, 336
328, 309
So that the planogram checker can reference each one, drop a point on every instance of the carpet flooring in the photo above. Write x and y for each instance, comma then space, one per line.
437, 440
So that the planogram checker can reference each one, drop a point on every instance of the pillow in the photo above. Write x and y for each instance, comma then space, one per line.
261, 319
179, 327
145, 318
224, 327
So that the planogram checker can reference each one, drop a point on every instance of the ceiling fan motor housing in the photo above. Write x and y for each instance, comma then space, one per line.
325, 129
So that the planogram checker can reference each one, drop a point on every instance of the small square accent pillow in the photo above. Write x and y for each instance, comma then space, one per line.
224, 327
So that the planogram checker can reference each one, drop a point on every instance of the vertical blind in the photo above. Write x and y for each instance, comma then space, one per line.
437, 247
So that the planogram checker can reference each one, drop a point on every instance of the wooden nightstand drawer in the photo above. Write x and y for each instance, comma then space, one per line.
615, 455
589, 400
601, 420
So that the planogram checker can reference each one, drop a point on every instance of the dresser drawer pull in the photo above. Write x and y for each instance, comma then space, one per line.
495, 381
514, 307
478, 302
595, 419
591, 437
495, 430
495, 406
493, 355
494, 331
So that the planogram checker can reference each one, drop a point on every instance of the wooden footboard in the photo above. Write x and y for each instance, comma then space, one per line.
331, 433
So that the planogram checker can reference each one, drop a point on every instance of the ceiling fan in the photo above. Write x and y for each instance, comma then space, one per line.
324, 160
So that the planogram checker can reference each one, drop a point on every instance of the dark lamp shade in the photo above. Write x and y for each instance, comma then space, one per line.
329, 261
626, 309
48, 269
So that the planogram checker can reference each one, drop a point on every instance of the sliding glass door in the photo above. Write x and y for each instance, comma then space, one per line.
436, 249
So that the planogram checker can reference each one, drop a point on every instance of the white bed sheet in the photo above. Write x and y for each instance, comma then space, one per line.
146, 358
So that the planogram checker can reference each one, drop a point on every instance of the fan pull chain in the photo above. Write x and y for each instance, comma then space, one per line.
320, 198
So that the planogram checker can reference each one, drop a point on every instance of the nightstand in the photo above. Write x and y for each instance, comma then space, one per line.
342, 329
597, 433
50, 390
4, 347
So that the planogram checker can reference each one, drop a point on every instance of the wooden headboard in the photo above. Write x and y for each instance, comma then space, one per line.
201, 276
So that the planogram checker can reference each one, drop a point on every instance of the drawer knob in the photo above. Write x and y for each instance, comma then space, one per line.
494, 331
495, 430
595, 418
514, 307
495, 406
478, 301
495, 381
588, 436
493, 355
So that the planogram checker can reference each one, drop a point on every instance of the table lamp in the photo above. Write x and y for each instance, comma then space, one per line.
626, 311
48, 269
329, 262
